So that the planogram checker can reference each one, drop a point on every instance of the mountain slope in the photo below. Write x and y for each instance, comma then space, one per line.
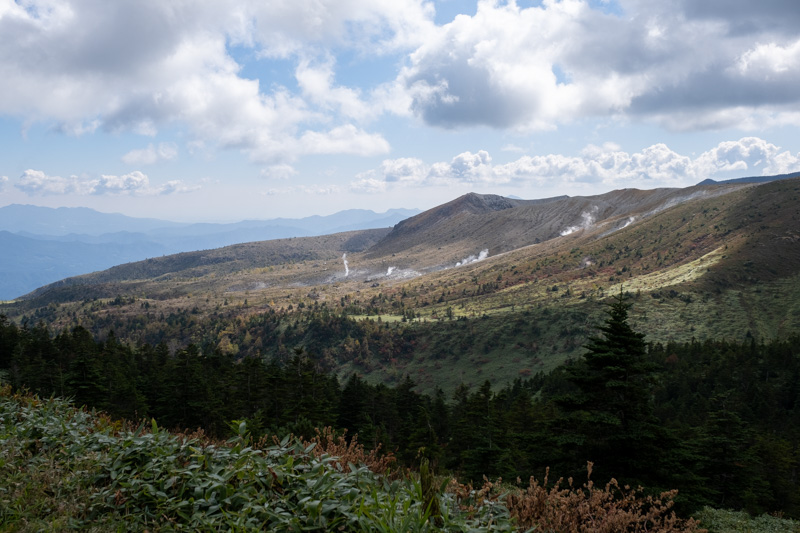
475, 222
751, 179
717, 262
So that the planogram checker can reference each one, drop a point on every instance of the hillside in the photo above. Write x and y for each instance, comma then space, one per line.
473, 222
717, 261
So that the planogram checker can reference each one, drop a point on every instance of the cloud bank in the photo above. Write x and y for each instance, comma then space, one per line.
37, 183
91, 65
655, 166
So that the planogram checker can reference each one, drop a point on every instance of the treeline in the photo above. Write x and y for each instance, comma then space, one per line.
717, 420
333, 337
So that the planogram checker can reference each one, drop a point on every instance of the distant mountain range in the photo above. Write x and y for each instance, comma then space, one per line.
41, 245
751, 179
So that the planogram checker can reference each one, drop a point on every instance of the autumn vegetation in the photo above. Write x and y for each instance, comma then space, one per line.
672, 430
663, 354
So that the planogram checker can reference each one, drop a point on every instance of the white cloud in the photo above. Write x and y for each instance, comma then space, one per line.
141, 66
654, 166
533, 68
174, 186
37, 183
343, 140
278, 172
316, 83
405, 169
769, 60
165, 151
84, 66
287, 27
749, 154
3, 181
368, 185
125, 184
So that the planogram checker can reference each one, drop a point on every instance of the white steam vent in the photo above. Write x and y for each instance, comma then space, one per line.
587, 220
474, 259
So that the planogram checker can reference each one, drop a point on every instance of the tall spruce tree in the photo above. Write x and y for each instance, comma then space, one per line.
608, 417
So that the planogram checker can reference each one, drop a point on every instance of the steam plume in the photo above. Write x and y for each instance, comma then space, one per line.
472, 259
587, 220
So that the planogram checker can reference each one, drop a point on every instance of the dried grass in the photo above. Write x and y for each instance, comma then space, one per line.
327, 442
589, 509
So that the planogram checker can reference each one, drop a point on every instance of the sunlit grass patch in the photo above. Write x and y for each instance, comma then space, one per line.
726, 521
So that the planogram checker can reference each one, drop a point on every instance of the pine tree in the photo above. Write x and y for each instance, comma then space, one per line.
608, 418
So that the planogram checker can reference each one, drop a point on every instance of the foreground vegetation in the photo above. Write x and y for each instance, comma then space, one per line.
63, 468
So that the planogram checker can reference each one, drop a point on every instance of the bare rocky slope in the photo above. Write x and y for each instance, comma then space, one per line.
467, 225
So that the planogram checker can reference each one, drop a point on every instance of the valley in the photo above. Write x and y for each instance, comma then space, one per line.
479, 288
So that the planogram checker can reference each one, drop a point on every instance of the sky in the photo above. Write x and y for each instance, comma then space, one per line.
212, 110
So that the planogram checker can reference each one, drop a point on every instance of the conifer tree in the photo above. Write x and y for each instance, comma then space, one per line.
608, 418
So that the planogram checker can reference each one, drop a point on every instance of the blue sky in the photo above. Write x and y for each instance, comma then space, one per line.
218, 111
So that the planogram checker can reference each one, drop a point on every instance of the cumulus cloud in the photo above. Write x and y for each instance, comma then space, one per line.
654, 166
141, 66
368, 185
536, 67
748, 154
91, 65
174, 186
286, 27
165, 151
128, 183
343, 140
37, 183
3, 181
405, 169
316, 83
